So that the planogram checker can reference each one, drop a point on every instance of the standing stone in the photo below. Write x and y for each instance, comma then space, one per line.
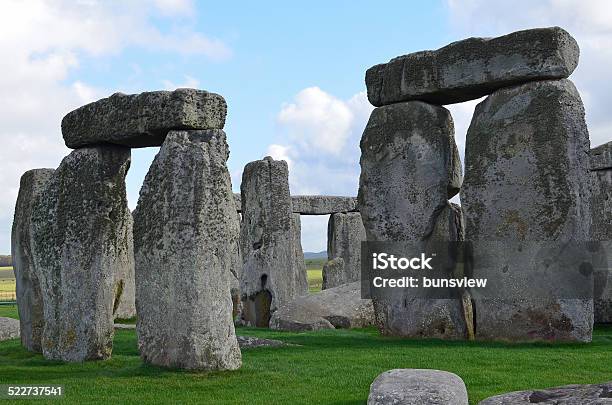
271, 275
29, 295
472, 68
76, 221
601, 208
298, 253
345, 232
526, 190
184, 233
139, 120
124, 305
409, 169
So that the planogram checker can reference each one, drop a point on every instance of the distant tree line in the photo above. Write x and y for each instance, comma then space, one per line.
6, 261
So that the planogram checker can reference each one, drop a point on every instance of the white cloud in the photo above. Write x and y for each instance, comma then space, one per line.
188, 82
280, 152
589, 21
175, 7
319, 134
42, 43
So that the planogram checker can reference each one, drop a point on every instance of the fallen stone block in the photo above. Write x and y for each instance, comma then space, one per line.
9, 329
418, 387
334, 308
139, 120
474, 67
589, 394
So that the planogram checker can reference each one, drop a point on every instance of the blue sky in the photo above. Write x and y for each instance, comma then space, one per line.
291, 72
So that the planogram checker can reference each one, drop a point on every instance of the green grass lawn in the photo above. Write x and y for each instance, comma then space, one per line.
7, 284
334, 366
315, 280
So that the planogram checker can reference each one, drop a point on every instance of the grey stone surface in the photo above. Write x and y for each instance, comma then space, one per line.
139, 120
474, 67
527, 181
29, 295
184, 238
75, 223
315, 204
409, 169
345, 232
339, 307
298, 253
418, 387
601, 157
124, 326
591, 394
6, 260
322, 204
9, 329
601, 209
249, 342
333, 273
124, 302
271, 275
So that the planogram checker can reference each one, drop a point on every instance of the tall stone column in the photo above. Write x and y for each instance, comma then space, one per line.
76, 221
271, 274
525, 195
124, 303
345, 232
29, 295
409, 169
185, 229
601, 208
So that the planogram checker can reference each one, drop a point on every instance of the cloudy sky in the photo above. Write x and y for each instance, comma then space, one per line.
292, 74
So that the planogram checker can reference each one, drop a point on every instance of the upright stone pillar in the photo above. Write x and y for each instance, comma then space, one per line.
601, 208
345, 232
184, 237
76, 221
29, 295
271, 274
526, 191
124, 305
409, 169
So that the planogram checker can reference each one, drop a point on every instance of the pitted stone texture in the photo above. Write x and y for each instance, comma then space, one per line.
315, 204
593, 394
323, 204
124, 303
527, 180
76, 221
298, 253
29, 295
418, 387
184, 238
334, 308
345, 232
333, 273
271, 276
139, 120
9, 328
601, 209
601, 157
474, 67
409, 168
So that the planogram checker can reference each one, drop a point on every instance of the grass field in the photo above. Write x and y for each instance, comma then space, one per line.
7, 284
314, 269
334, 366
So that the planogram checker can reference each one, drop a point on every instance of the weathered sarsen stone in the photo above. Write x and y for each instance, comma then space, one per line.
269, 242
184, 236
140, 120
575, 394
76, 221
474, 67
409, 169
345, 233
418, 387
29, 296
526, 195
315, 204
601, 209
334, 308
124, 303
